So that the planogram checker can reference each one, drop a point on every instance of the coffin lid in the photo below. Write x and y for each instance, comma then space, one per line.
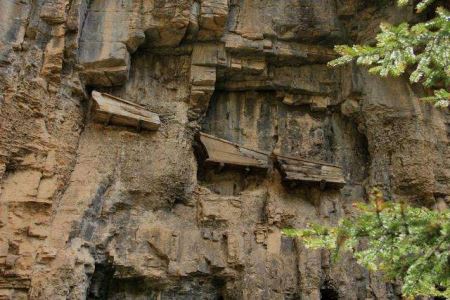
110, 109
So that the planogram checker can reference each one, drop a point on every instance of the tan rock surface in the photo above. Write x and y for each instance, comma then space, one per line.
94, 211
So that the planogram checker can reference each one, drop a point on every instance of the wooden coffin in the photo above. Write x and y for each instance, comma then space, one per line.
298, 169
226, 152
108, 109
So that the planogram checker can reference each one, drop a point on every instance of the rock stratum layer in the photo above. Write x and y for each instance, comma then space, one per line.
90, 211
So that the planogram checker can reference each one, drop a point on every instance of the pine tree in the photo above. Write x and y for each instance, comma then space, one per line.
423, 48
407, 244
410, 244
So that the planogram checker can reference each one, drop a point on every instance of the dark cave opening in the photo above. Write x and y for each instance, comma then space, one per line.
328, 293
101, 281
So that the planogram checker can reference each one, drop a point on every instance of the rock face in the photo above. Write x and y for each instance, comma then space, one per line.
89, 211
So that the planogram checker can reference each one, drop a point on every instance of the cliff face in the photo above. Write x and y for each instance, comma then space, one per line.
94, 211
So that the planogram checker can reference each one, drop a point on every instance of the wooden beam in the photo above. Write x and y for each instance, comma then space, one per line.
291, 168
109, 109
226, 152
305, 170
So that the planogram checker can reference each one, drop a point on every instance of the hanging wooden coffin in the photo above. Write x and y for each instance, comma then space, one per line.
226, 152
109, 109
298, 169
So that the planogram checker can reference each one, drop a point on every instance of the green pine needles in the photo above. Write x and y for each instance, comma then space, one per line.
422, 49
410, 244
406, 243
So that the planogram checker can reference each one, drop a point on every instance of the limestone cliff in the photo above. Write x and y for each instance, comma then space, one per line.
98, 211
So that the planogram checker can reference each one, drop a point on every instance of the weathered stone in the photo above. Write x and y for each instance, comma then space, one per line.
53, 56
212, 19
235, 244
203, 76
350, 107
162, 240
219, 209
208, 54
54, 11
89, 211
13, 17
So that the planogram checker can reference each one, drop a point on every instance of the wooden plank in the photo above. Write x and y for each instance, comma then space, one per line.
112, 110
296, 158
223, 151
312, 178
317, 170
293, 169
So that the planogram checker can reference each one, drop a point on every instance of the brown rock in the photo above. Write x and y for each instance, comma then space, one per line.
89, 211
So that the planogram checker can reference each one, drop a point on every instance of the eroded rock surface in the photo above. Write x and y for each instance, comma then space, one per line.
91, 211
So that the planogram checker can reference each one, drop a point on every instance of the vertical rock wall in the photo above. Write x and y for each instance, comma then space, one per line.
89, 211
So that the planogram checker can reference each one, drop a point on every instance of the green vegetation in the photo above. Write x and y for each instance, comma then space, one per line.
423, 50
406, 243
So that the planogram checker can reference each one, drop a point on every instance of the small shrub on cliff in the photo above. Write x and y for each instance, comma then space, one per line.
410, 244
423, 48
